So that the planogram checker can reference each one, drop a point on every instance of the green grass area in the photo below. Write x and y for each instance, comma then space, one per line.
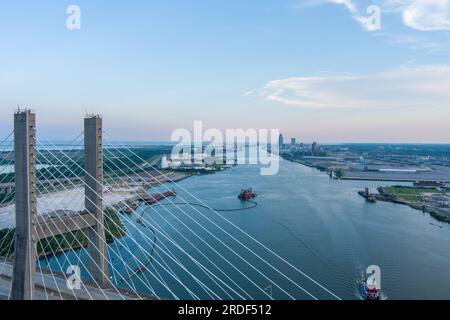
409, 190
408, 193
414, 196
410, 197
113, 229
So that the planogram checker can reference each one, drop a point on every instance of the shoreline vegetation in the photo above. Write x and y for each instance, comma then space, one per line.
416, 198
114, 229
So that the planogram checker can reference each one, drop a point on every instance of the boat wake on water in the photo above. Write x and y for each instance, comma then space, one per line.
145, 266
245, 196
254, 205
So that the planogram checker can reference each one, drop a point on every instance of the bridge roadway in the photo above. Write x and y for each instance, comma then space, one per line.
56, 284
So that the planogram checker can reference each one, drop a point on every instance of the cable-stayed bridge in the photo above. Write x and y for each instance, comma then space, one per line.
83, 221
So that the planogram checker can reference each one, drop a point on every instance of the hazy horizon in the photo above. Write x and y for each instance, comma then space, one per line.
314, 69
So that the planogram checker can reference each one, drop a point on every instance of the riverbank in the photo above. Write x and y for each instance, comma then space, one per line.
416, 198
319, 225
71, 198
344, 171
118, 197
114, 229
414, 201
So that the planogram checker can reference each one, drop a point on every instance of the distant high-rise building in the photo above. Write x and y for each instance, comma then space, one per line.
314, 149
280, 141
293, 142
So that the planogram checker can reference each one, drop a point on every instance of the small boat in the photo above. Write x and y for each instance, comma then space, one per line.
247, 194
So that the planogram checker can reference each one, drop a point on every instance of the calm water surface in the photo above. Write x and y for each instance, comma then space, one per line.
321, 226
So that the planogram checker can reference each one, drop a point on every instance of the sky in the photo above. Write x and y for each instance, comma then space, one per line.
318, 70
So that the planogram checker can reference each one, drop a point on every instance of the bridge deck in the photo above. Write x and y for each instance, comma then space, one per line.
54, 287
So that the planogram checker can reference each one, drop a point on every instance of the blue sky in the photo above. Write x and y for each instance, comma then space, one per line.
309, 68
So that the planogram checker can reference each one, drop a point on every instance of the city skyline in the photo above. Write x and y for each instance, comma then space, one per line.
232, 65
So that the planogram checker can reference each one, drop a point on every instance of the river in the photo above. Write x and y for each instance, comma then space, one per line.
320, 226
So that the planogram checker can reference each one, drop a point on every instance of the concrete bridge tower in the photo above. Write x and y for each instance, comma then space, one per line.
24, 268
27, 221
93, 161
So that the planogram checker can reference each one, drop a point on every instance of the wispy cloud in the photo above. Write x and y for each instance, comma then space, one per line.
407, 86
350, 5
422, 15
427, 15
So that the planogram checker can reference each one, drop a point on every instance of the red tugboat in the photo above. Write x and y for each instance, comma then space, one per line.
371, 291
247, 194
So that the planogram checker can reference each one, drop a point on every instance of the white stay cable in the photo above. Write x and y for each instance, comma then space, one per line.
83, 248
77, 200
156, 261
166, 236
198, 250
62, 251
245, 233
229, 248
48, 263
154, 224
118, 254
264, 292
